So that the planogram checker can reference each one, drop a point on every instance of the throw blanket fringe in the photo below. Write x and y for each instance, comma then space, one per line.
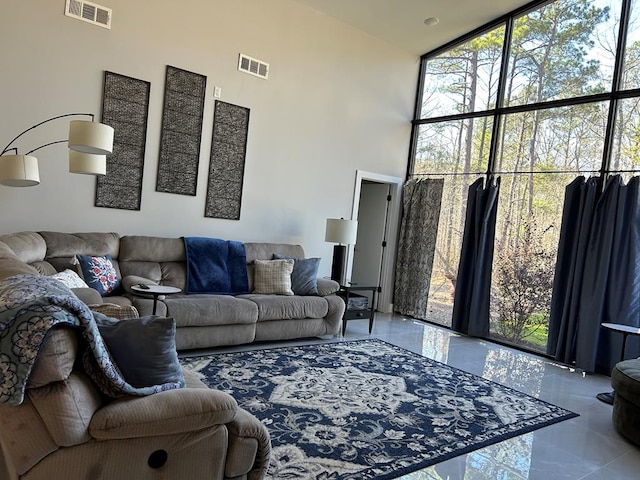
30, 305
216, 266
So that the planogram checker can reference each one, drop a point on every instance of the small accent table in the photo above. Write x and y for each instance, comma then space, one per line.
346, 292
156, 291
625, 330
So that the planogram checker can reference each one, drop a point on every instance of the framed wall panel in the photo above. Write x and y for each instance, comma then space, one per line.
226, 166
125, 107
181, 132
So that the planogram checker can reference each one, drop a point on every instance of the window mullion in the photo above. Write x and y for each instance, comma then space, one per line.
616, 84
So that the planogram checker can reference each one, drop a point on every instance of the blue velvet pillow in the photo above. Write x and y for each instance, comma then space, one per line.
99, 273
304, 278
144, 349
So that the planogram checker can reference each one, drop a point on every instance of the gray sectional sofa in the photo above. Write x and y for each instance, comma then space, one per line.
202, 320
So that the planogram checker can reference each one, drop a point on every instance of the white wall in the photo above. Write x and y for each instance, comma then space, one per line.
337, 100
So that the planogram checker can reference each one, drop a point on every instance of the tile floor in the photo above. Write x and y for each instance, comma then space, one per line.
586, 447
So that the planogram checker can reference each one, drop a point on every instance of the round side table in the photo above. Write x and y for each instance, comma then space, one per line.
156, 291
625, 330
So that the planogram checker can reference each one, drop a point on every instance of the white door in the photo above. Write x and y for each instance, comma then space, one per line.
372, 219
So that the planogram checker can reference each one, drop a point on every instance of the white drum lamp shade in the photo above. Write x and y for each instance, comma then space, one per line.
343, 232
87, 164
90, 137
19, 171
88, 144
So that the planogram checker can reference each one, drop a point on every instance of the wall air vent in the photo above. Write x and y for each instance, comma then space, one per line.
252, 66
89, 12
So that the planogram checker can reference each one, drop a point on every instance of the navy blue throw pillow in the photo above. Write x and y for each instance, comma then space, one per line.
144, 349
304, 278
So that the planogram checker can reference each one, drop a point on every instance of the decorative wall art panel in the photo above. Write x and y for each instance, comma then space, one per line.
181, 132
125, 107
226, 166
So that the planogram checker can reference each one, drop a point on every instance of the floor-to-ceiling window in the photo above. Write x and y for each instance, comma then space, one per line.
545, 94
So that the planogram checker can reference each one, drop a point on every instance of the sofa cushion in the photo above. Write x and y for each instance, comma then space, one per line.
285, 308
66, 245
207, 310
10, 266
62, 247
265, 251
304, 278
141, 248
272, 277
27, 246
88, 295
144, 349
165, 413
99, 272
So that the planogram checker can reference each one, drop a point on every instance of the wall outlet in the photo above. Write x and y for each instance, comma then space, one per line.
217, 92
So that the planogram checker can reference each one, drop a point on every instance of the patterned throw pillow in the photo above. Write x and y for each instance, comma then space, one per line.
112, 310
99, 273
70, 279
272, 276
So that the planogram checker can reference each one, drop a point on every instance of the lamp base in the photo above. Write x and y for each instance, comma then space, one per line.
337, 266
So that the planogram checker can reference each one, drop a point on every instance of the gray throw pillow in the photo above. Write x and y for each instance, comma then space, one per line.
304, 278
144, 349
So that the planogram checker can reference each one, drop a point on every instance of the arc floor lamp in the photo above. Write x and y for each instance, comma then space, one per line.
89, 143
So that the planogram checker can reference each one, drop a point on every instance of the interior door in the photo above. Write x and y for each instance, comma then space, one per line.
372, 219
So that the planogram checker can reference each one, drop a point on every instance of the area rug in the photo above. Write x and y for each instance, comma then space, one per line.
368, 409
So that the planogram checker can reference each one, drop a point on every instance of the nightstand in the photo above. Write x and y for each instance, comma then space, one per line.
357, 305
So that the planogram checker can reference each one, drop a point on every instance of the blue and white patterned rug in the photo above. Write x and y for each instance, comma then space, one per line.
368, 409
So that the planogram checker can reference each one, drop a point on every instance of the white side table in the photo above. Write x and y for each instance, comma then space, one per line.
156, 291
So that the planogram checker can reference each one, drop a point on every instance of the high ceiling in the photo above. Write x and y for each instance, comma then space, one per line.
401, 22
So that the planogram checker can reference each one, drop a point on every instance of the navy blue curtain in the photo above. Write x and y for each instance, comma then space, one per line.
473, 284
597, 275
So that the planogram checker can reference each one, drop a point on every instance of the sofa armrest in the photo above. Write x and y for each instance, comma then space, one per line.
10, 266
326, 286
248, 438
88, 295
165, 413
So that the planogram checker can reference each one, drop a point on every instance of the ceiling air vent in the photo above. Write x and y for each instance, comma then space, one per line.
89, 12
253, 67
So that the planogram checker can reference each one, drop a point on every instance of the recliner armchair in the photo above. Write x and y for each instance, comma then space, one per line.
66, 429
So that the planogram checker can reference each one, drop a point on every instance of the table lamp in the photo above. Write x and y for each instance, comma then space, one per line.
343, 232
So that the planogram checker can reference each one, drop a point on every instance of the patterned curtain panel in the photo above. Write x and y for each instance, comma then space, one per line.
417, 245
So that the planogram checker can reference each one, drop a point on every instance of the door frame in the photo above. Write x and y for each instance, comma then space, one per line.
385, 299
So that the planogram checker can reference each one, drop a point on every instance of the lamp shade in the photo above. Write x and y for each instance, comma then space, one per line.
19, 171
86, 163
340, 230
90, 137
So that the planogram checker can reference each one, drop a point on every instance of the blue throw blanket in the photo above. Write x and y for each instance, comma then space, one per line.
216, 266
29, 306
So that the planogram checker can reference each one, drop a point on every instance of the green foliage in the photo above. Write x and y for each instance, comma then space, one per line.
523, 281
551, 58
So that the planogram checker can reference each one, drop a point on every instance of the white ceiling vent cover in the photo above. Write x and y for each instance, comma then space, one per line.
89, 12
253, 66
